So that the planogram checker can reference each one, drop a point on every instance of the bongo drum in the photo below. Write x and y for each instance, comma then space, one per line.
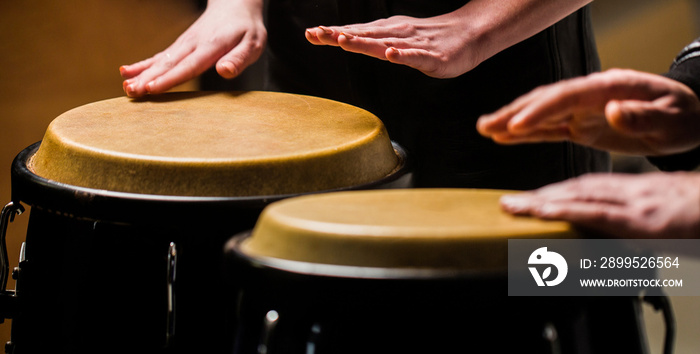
419, 271
132, 201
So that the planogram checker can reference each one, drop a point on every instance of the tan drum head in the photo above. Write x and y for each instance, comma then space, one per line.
215, 144
409, 228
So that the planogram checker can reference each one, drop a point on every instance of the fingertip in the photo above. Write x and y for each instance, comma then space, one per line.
483, 124
622, 118
127, 72
326, 30
519, 123
311, 37
547, 210
227, 70
614, 114
516, 203
344, 38
314, 34
505, 139
130, 90
392, 53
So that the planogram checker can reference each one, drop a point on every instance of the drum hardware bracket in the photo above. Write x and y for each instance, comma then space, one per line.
172, 267
663, 304
314, 334
8, 298
271, 319
549, 333
9, 347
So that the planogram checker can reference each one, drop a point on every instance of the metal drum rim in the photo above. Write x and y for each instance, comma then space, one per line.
234, 251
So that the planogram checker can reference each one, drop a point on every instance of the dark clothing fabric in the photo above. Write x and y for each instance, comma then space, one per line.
686, 69
435, 119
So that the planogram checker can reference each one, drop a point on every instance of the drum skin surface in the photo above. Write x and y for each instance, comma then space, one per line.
215, 144
417, 228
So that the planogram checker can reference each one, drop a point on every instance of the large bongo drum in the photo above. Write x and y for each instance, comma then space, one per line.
406, 271
132, 202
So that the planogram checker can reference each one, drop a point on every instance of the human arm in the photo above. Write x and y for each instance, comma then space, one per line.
619, 110
229, 34
636, 206
450, 44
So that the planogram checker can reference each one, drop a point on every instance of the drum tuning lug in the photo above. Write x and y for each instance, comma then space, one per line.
549, 333
271, 319
313, 338
9, 348
172, 271
17, 271
6, 216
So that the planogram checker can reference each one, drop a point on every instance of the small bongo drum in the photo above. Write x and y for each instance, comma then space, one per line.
132, 202
419, 271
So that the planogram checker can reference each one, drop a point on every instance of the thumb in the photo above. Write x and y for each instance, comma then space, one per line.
632, 117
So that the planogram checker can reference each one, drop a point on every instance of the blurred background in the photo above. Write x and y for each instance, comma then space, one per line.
55, 56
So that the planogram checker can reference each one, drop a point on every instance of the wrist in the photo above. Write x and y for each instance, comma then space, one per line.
493, 26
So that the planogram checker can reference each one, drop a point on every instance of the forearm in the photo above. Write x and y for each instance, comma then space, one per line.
251, 8
256, 5
497, 25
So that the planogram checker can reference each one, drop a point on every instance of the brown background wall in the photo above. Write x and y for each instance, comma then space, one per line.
56, 55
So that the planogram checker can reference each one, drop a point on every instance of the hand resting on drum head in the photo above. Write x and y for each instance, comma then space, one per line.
230, 34
648, 206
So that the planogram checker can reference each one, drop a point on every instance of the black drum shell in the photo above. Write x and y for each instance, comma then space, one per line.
346, 309
94, 279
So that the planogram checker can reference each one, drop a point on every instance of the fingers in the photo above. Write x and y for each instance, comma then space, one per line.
608, 218
367, 46
585, 96
609, 188
129, 71
603, 202
373, 39
239, 58
377, 48
165, 70
527, 112
543, 135
322, 36
145, 73
378, 30
185, 70
546, 106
